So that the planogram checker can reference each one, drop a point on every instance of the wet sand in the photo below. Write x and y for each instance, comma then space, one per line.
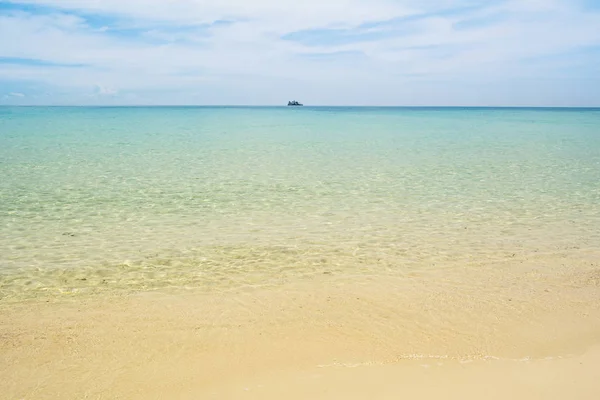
491, 332
569, 378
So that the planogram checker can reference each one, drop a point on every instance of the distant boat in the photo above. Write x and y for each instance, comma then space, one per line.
294, 103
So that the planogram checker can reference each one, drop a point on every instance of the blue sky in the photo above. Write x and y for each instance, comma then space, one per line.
262, 52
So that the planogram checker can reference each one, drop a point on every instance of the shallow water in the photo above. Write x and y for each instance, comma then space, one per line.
130, 199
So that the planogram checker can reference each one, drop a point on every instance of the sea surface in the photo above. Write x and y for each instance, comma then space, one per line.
225, 199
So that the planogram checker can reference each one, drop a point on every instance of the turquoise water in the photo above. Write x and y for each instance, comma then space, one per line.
145, 198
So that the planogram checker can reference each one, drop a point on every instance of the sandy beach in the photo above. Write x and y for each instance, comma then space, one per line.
525, 335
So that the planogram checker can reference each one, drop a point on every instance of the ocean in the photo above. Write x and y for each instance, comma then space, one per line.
121, 200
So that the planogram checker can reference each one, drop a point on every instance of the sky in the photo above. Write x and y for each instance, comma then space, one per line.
320, 52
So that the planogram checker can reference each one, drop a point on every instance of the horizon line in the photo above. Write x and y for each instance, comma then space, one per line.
286, 106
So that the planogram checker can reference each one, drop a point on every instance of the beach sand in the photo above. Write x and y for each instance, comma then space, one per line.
492, 332
570, 378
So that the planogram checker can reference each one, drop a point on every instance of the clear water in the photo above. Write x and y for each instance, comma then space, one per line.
95, 199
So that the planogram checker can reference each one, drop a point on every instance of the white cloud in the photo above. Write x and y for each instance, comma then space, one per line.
102, 90
16, 94
286, 14
171, 49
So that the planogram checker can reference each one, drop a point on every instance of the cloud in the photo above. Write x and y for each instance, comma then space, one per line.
378, 51
16, 94
35, 62
101, 90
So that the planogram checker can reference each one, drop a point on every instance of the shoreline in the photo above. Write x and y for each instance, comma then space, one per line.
539, 322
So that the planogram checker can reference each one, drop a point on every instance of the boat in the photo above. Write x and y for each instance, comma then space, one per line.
294, 103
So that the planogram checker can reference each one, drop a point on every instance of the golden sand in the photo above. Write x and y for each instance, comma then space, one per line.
491, 332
